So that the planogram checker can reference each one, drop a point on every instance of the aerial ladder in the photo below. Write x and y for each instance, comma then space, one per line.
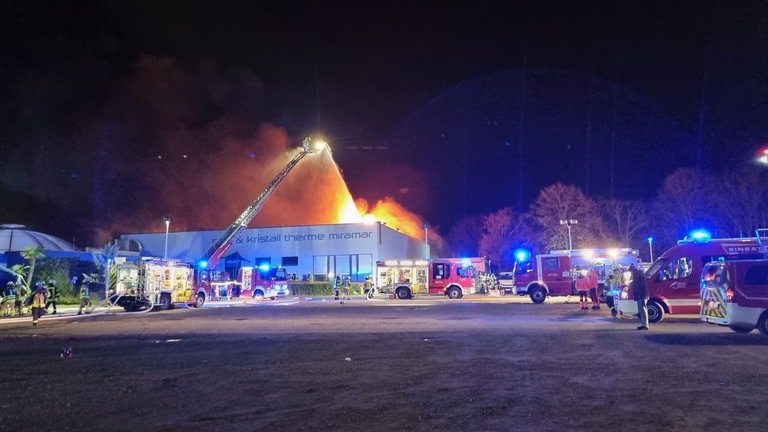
212, 256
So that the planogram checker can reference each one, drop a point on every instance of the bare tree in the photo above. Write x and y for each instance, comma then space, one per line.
741, 200
464, 236
566, 202
503, 231
679, 206
627, 219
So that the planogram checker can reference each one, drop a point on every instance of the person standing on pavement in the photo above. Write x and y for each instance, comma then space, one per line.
9, 298
368, 288
582, 286
85, 298
640, 295
593, 285
21, 294
53, 296
345, 289
336, 287
38, 299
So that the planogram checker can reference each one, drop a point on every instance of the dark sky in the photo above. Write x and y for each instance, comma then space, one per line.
77, 78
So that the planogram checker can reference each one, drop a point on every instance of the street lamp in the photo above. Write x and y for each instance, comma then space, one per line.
167, 220
650, 246
569, 223
426, 241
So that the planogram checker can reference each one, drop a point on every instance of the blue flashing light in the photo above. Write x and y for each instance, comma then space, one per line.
466, 262
203, 264
522, 255
700, 236
264, 267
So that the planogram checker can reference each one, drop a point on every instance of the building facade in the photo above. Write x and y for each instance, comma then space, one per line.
318, 252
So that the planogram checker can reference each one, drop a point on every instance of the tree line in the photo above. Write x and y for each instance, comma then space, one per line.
730, 203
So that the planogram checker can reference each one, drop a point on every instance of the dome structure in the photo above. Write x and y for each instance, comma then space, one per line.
15, 238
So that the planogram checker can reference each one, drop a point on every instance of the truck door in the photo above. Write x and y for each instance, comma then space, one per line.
441, 272
678, 282
556, 273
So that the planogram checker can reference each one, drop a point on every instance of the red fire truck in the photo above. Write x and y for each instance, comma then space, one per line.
673, 279
404, 279
216, 283
735, 294
553, 274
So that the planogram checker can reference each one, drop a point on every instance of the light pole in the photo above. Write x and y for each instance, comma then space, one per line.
167, 220
650, 246
426, 241
569, 223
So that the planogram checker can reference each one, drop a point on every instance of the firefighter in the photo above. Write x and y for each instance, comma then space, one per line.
21, 293
369, 292
9, 298
53, 296
345, 289
85, 298
336, 288
38, 300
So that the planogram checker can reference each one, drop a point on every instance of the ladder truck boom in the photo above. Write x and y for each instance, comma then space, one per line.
230, 235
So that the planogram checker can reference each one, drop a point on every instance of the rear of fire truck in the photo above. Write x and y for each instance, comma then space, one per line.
151, 283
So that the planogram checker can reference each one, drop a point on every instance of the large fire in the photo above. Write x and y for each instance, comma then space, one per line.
219, 188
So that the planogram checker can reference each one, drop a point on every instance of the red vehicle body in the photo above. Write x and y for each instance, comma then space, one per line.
405, 278
673, 280
553, 274
735, 294
252, 282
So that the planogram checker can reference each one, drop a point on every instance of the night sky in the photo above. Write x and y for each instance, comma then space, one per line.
116, 113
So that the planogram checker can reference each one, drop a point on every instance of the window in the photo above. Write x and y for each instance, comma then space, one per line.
678, 268
439, 271
290, 261
756, 275
550, 263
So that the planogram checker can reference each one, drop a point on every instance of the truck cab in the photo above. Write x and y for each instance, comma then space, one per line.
403, 279
549, 274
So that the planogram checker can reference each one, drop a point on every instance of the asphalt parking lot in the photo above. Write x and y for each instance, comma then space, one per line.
480, 363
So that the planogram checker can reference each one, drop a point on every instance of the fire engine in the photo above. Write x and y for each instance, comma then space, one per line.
735, 294
553, 274
673, 279
152, 282
404, 279
250, 281
263, 282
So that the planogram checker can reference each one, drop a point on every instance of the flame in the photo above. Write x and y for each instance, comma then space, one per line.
314, 193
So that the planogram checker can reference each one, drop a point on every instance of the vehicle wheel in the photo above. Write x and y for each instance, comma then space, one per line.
538, 295
403, 293
762, 323
655, 311
259, 295
200, 300
741, 329
453, 293
165, 302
